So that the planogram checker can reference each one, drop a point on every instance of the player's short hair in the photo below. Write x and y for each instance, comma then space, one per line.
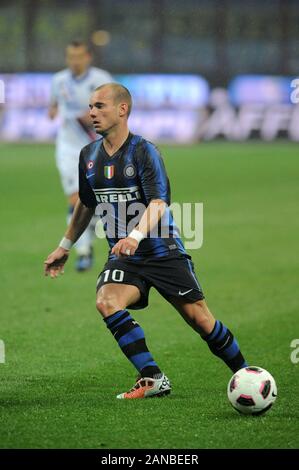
80, 43
120, 94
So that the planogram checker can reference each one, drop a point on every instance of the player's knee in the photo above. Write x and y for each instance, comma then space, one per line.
107, 305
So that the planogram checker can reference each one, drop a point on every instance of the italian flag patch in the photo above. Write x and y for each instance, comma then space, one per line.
109, 171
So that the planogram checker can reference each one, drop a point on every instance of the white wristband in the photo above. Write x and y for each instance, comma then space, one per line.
66, 243
138, 236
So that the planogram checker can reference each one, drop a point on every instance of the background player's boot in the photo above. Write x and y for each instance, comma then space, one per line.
84, 262
147, 387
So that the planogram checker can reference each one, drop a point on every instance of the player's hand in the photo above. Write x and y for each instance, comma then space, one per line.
54, 264
125, 247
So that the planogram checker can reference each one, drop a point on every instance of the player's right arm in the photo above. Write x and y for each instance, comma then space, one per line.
83, 212
54, 264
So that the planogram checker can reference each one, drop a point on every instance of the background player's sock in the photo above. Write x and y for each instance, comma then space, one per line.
131, 340
222, 343
83, 245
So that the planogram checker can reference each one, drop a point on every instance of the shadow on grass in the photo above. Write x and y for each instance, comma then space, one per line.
91, 391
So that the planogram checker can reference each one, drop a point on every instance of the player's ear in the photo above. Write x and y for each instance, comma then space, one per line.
123, 109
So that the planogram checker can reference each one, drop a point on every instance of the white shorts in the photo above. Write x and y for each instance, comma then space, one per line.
67, 161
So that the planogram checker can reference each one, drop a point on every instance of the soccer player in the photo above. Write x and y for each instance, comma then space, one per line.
70, 93
118, 172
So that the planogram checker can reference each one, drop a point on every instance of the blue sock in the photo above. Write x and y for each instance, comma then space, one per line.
222, 343
131, 340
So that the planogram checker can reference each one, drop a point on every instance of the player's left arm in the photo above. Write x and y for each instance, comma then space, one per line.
155, 185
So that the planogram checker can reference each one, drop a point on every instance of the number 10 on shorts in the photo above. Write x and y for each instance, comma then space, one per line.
116, 275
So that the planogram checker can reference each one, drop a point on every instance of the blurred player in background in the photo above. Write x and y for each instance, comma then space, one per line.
122, 169
70, 92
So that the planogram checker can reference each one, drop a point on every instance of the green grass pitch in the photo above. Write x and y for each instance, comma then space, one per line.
63, 368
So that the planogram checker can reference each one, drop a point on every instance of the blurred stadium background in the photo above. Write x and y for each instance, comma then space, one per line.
230, 63
201, 72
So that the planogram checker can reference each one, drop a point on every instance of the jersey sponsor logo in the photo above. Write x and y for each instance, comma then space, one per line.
117, 194
90, 164
129, 171
109, 171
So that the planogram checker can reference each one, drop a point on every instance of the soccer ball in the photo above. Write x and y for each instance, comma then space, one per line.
252, 390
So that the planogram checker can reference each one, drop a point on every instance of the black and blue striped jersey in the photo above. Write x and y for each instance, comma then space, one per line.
121, 186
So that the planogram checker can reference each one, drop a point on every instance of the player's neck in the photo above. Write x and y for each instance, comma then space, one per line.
114, 141
80, 74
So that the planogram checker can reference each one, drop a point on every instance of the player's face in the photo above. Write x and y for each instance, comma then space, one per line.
104, 112
78, 59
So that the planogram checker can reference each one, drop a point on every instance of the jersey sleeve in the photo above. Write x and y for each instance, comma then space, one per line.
152, 174
86, 194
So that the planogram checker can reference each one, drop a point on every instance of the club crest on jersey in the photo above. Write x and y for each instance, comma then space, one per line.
109, 171
129, 171
90, 164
